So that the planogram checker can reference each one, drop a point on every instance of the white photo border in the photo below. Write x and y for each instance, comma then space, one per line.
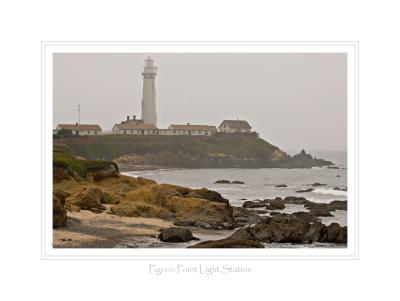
351, 48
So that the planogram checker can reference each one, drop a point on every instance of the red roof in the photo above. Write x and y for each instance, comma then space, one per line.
80, 127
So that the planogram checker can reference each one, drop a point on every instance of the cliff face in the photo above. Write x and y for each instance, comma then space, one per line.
131, 152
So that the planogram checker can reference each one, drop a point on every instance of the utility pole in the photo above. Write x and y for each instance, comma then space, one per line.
79, 114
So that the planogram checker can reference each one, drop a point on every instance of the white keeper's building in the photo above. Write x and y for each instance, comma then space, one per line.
80, 129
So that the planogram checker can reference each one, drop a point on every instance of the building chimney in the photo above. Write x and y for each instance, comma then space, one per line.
127, 117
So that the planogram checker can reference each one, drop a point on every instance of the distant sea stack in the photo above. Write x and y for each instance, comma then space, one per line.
302, 160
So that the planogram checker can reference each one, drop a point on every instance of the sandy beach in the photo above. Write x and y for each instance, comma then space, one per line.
86, 229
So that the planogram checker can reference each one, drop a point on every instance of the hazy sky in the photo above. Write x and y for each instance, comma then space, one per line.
295, 101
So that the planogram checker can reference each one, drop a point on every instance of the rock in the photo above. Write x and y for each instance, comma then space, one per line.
272, 213
175, 235
201, 213
243, 217
184, 206
244, 199
211, 195
333, 167
340, 189
288, 228
222, 182
301, 160
337, 205
281, 185
60, 174
110, 171
320, 212
142, 210
295, 200
229, 243
316, 233
342, 237
306, 216
254, 204
333, 232
72, 208
237, 182
59, 212
275, 204
317, 184
305, 190
96, 210
280, 229
88, 199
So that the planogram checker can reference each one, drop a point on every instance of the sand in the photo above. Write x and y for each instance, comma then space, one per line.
86, 229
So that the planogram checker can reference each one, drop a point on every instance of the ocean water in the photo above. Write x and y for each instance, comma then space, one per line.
260, 183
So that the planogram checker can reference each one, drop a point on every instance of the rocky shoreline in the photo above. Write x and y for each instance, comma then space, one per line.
95, 206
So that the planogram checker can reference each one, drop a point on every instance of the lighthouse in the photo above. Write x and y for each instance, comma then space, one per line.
149, 113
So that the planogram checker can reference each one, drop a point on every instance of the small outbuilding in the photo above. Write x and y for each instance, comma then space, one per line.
80, 129
234, 126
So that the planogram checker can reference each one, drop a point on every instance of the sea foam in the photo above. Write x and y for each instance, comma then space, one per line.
330, 191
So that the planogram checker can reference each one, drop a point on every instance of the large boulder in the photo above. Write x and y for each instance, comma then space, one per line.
211, 195
229, 243
175, 235
275, 204
324, 212
337, 205
243, 217
201, 213
59, 213
90, 198
336, 233
316, 233
109, 171
280, 229
306, 216
342, 237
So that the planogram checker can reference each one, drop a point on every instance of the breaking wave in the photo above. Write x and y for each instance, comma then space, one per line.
330, 191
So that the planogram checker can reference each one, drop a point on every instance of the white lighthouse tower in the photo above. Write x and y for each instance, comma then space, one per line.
149, 113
